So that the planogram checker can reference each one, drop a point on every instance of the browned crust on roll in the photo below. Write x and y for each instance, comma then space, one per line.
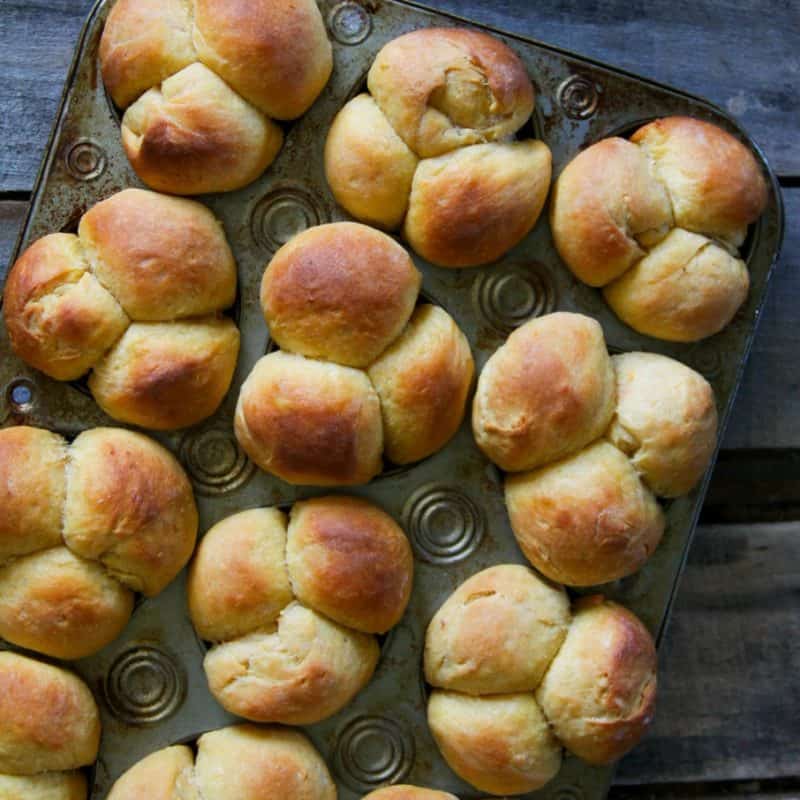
32, 490
161, 257
50, 719
276, 55
407, 792
350, 560
341, 292
44, 786
158, 776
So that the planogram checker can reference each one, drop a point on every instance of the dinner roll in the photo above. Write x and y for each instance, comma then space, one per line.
310, 422
406, 792
195, 135
666, 421
496, 633
275, 55
687, 288
245, 762
351, 561
368, 166
443, 88
302, 670
606, 206
500, 744
586, 519
238, 581
471, 206
547, 392
32, 490
340, 292
132, 63
167, 375
714, 182
129, 506
162, 257
599, 693
423, 379
61, 605
44, 786
50, 720
159, 776
59, 318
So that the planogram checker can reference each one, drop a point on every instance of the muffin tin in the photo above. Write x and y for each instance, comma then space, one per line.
150, 682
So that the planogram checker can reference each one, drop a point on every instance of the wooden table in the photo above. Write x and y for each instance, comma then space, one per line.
729, 702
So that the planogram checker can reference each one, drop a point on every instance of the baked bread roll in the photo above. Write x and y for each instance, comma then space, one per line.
586, 519
665, 422
110, 513
201, 81
599, 693
500, 744
44, 786
423, 380
406, 792
340, 292
545, 393
238, 581
615, 202
471, 206
351, 561
453, 98
497, 633
310, 422
135, 297
306, 668
50, 720
242, 762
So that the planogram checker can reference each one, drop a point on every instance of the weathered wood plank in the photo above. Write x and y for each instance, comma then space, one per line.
788, 789
729, 692
742, 58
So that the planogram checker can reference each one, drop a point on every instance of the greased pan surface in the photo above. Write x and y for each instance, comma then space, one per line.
150, 682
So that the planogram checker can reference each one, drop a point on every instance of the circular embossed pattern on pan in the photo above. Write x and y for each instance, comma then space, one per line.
282, 214
349, 23
214, 461
373, 751
144, 685
510, 296
85, 160
578, 97
568, 793
444, 524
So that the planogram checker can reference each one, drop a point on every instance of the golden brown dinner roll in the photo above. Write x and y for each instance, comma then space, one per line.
32, 490
238, 581
368, 166
130, 506
714, 182
275, 55
586, 519
500, 744
161, 257
310, 422
599, 693
443, 88
685, 289
159, 776
44, 786
61, 605
606, 206
496, 633
195, 135
406, 792
351, 561
340, 292
246, 762
59, 318
471, 206
166, 375
423, 379
303, 670
666, 421
548, 391
132, 62
49, 718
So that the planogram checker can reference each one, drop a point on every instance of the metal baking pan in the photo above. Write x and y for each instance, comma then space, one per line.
150, 682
